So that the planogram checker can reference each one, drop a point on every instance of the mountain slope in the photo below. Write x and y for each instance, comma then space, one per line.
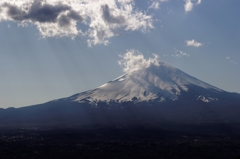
152, 84
157, 93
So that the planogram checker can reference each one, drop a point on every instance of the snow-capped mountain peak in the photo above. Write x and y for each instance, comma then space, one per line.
153, 83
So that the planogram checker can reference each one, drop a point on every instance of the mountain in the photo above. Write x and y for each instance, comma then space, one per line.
153, 84
156, 93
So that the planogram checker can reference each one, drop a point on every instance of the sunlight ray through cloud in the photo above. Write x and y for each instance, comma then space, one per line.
61, 18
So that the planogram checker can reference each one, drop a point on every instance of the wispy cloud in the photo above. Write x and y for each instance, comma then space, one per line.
62, 18
180, 54
230, 60
227, 57
155, 4
193, 43
199, 1
188, 6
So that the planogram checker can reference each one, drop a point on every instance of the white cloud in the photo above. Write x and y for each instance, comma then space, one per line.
198, 2
155, 4
56, 18
180, 54
193, 43
188, 6
134, 60
231, 61
227, 57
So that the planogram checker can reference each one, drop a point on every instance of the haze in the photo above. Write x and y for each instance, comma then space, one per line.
51, 50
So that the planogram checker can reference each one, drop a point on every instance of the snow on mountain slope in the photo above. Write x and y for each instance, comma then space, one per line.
149, 91
158, 83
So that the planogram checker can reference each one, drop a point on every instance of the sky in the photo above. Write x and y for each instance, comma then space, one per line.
51, 49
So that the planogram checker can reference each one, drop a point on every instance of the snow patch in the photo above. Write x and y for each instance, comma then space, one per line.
206, 99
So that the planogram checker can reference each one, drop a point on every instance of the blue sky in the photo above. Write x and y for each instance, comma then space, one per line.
77, 47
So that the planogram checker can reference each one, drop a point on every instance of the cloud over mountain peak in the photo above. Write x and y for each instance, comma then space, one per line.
134, 60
